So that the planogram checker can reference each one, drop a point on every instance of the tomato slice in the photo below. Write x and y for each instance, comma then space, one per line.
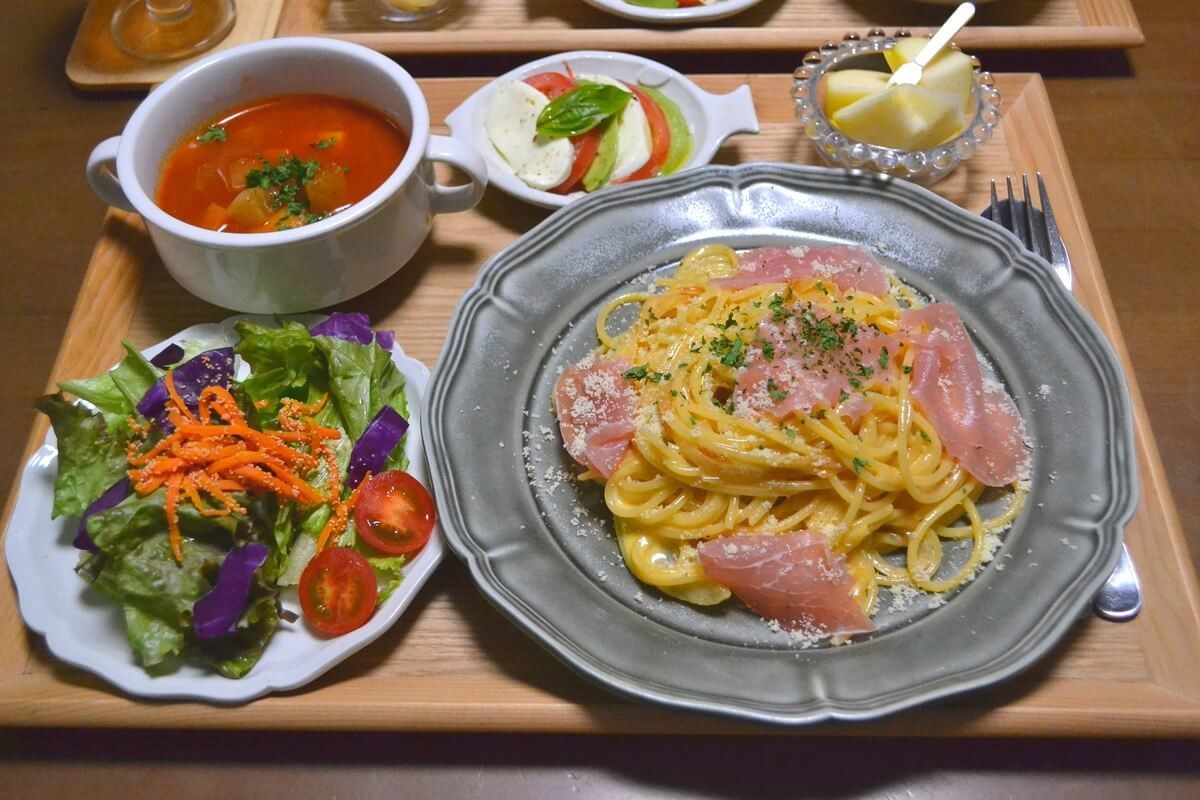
660, 138
338, 591
551, 84
586, 146
690, 3
395, 514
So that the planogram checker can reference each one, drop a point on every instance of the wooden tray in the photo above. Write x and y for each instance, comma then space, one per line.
95, 63
547, 26
453, 663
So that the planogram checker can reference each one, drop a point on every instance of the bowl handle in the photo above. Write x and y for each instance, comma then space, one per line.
102, 174
448, 199
734, 113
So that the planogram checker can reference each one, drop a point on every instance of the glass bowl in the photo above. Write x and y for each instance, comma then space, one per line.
839, 150
412, 11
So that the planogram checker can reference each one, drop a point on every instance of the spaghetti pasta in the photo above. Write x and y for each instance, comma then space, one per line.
775, 405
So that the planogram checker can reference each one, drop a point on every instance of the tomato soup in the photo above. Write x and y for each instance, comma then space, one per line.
279, 163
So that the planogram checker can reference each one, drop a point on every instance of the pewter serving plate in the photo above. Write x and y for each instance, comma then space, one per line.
539, 544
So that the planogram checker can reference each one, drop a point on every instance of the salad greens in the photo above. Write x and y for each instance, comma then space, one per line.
220, 603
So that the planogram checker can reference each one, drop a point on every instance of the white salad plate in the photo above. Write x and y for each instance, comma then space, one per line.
712, 118
674, 16
86, 629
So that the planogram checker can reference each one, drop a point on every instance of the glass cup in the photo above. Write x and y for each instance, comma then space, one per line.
412, 11
164, 30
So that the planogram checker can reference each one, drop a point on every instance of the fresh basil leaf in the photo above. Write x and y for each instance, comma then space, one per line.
580, 110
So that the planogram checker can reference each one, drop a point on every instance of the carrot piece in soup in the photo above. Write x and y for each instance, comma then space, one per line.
214, 217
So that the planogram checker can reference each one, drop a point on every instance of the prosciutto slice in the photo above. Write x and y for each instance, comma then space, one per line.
977, 421
799, 377
792, 577
595, 406
848, 268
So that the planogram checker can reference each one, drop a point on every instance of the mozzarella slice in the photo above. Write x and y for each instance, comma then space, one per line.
511, 124
633, 133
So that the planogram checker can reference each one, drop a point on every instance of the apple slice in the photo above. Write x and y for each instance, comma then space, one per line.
847, 86
950, 73
903, 117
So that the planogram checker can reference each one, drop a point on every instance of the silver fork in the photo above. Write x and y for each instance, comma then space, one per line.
1120, 598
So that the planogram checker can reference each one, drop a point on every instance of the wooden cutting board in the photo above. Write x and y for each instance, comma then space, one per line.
453, 663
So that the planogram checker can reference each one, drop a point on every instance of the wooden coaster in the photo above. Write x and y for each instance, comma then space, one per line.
95, 63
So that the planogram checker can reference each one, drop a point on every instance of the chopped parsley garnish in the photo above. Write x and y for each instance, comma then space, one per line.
730, 351
730, 322
215, 133
768, 350
859, 464
636, 373
324, 144
924, 436
778, 312
643, 372
777, 394
791, 434
907, 369
883, 358
284, 182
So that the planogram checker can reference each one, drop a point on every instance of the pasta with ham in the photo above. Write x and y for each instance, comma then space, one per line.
794, 427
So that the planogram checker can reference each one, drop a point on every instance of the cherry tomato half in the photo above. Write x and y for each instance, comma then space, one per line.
395, 514
660, 138
338, 591
551, 84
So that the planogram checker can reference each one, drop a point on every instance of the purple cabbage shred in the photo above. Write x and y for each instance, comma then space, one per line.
372, 449
353, 327
210, 368
111, 497
167, 356
216, 613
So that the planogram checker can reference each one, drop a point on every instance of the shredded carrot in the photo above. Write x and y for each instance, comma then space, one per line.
214, 453
341, 514
176, 537
180, 406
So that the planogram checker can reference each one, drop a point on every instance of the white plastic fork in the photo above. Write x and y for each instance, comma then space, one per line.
911, 72
1120, 598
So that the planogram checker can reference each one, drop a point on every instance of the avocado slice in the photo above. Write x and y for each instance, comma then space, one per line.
681, 135
602, 165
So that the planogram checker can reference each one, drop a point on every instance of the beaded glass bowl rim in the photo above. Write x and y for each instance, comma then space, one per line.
933, 161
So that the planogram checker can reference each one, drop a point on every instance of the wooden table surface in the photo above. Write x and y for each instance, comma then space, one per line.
1131, 126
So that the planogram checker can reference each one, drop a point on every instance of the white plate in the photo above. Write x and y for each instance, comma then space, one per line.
674, 16
86, 629
713, 118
